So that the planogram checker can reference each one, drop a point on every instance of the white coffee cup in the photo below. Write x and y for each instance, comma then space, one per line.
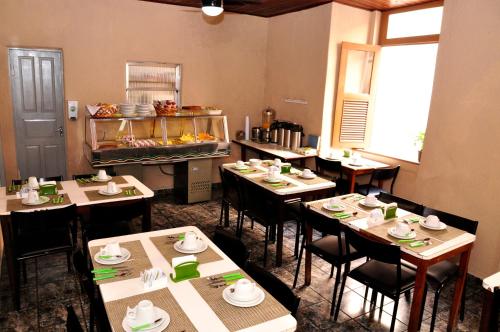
33, 182
142, 313
244, 289
240, 163
254, 162
190, 241
32, 196
273, 172
376, 216
432, 221
371, 199
277, 162
402, 229
101, 174
111, 188
112, 249
333, 201
307, 172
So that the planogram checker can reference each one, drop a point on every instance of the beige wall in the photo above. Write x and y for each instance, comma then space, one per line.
223, 63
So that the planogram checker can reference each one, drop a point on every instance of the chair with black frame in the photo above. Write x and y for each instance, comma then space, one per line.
331, 247
383, 272
58, 178
231, 197
41, 233
277, 288
438, 275
231, 246
402, 203
72, 321
325, 168
380, 175
89, 175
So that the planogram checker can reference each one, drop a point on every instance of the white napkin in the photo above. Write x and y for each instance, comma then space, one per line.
154, 278
48, 182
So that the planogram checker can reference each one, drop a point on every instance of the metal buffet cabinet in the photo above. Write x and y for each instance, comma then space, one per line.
161, 140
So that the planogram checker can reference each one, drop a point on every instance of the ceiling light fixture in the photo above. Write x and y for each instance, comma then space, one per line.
212, 7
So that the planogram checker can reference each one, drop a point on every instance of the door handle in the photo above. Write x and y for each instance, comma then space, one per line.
60, 130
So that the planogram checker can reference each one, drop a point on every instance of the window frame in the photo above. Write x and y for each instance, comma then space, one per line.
424, 39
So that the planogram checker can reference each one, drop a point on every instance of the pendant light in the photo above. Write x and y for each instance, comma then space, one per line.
212, 7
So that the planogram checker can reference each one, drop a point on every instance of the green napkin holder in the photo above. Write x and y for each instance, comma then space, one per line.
185, 271
390, 212
48, 189
347, 153
286, 168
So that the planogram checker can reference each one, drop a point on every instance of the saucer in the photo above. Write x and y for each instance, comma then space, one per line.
272, 180
96, 179
202, 246
41, 200
334, 207
160, 326
112, 261
441, 226
362, 202
106, 193
392, 232
312, 176
239, 168
258, 298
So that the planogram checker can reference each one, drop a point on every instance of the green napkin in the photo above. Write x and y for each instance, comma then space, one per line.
244, 171
342, 215
279, 184
413, 219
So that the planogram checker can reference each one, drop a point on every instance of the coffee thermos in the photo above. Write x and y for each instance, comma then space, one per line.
274, 132
296, 136
256, 134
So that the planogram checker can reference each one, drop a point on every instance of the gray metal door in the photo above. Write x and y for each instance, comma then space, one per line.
37, 91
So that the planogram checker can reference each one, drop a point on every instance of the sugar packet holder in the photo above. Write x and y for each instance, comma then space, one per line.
154, 278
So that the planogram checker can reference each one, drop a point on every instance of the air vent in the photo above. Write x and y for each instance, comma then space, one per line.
354, 117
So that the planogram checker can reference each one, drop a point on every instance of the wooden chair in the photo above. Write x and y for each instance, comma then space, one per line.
58, 178
326, 167
384, 272
402, 203
231, 246
277, 288
440, 274
231, 197
41, 233
380, 175
331, 247
89, 175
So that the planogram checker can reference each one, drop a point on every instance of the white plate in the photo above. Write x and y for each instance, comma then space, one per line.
239, 168
106, 193
362, 202
356, 165
202, 246
41, 200
441, 226
125, 256
155, 328
272, 180
226, 294
338, 208
312, 176
392, 232
96, 179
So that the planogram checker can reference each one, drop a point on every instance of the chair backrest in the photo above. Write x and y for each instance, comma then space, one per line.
72, 321
383, 252
277, 288
321, 223
383, 174
331, 166
16, 182
89, 175
468, 225
231, 246
402, 203
231, 187
41, 230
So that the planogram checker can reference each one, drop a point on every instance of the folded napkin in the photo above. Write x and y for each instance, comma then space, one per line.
247, 171
342, 215
42, 183
412, 219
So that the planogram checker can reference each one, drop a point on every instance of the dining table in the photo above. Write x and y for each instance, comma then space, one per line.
444, 245
79, 192
295, 188
194, 304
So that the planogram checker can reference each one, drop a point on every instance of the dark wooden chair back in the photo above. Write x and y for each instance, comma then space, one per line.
231, 245
383, 252
89, 175
402, 203
384, 174
331, 166
321, 223
231, 188
468, 225
16, 182
277, 288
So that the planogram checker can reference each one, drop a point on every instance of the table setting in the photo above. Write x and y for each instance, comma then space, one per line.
101, 178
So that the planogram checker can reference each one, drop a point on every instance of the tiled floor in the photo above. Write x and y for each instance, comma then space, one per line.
50, 286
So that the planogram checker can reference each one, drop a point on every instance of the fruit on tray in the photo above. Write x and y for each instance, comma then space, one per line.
205, 137
187, 138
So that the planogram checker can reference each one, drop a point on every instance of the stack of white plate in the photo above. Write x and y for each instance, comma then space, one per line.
127, 110
144, 109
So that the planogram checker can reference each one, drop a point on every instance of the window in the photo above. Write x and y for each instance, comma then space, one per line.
148, 81
405, 79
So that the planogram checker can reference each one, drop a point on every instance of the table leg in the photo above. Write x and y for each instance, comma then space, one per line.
486, 314
308, 262
11, 262
352, 182
146, 218
459, 287
226, 215
418, 296
279, 237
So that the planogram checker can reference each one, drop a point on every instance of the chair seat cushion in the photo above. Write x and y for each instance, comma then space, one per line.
383, 277
328, 248
438, 273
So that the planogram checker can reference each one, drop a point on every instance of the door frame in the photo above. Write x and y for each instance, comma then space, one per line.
63, 124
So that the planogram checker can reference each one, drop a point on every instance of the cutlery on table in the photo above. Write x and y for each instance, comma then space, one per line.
110, 269
414, 240
110, 256
111, 275
346, 197
146, 326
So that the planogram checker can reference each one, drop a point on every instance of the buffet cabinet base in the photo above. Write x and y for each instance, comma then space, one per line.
193, 180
